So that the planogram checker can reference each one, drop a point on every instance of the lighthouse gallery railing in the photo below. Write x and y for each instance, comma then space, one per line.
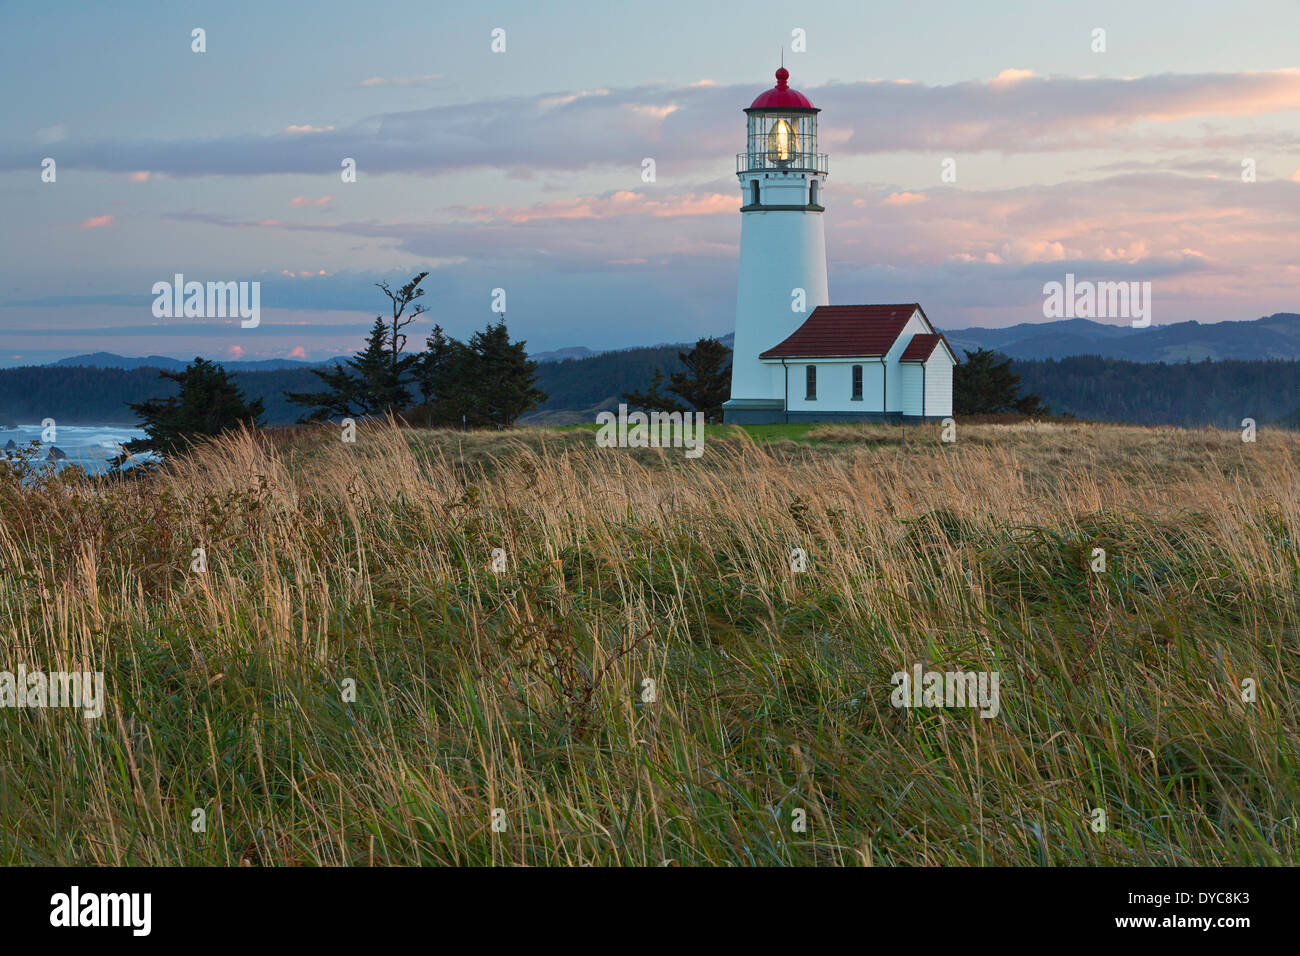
797, 163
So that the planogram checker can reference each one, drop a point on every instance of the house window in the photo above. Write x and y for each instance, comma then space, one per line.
857, 383
812, 193
811, 378
753, 192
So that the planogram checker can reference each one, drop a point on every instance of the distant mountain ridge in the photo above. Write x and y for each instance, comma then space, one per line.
1271, 337
113, 360
561, 355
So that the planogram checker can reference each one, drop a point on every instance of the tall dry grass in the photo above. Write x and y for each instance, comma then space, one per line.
522, 691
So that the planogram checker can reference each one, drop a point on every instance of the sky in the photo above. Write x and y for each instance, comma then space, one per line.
1173, 156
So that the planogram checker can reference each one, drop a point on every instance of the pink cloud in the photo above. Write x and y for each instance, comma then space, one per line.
624, 202
141, 176
902, 199
656, 112
422, 80
298, 352
304, 201
1009, 76
96, 222
235, 351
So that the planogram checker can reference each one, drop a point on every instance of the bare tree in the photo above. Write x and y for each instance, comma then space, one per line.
402, 298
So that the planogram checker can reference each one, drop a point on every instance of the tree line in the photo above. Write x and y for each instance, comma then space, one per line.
485, 382
1193, 394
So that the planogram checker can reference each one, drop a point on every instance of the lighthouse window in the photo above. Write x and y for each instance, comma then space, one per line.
753, 192
857, 382
812, 193
811, 377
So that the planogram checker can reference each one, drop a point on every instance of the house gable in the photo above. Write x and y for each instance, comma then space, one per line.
922, 346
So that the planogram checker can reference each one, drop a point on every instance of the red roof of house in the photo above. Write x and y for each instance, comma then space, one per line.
846, 331
781, 96
921, 347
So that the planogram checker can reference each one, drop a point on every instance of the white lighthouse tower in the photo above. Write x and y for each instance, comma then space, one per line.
782, 245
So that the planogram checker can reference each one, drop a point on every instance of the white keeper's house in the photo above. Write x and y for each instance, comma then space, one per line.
795, 356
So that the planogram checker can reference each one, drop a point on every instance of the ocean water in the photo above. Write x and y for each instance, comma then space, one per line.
93, 447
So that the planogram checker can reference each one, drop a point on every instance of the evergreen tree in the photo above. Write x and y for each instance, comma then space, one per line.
706, 382
703, 384
455, 385
505, 379
982, 385
208, 404
434, 365
375, 380
485, 382
654, 399
365, 384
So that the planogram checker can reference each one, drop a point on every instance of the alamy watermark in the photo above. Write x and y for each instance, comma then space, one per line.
128, 910
1098, 300
216, 300
924, 688
84, 689
641, 430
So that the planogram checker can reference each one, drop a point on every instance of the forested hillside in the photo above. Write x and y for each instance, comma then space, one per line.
80, 395
1271, 337
588, 384
1151, 393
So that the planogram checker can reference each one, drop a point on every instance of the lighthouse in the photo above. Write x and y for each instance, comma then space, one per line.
796, 357
782, 242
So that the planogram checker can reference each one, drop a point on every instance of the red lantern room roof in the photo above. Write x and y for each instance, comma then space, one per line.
781, 97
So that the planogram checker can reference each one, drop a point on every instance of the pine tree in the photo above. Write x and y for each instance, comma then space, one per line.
401, 366
505, 379
703, 385
375, 380
434, 365
654, 399
981, 385
209, 403
363, 385
706, 381
449, 380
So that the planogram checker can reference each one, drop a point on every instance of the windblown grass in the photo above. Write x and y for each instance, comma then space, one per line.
523, 690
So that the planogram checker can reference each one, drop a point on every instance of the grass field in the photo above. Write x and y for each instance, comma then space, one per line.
354, 679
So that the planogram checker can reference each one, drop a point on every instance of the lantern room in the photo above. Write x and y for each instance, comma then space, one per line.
782, 132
